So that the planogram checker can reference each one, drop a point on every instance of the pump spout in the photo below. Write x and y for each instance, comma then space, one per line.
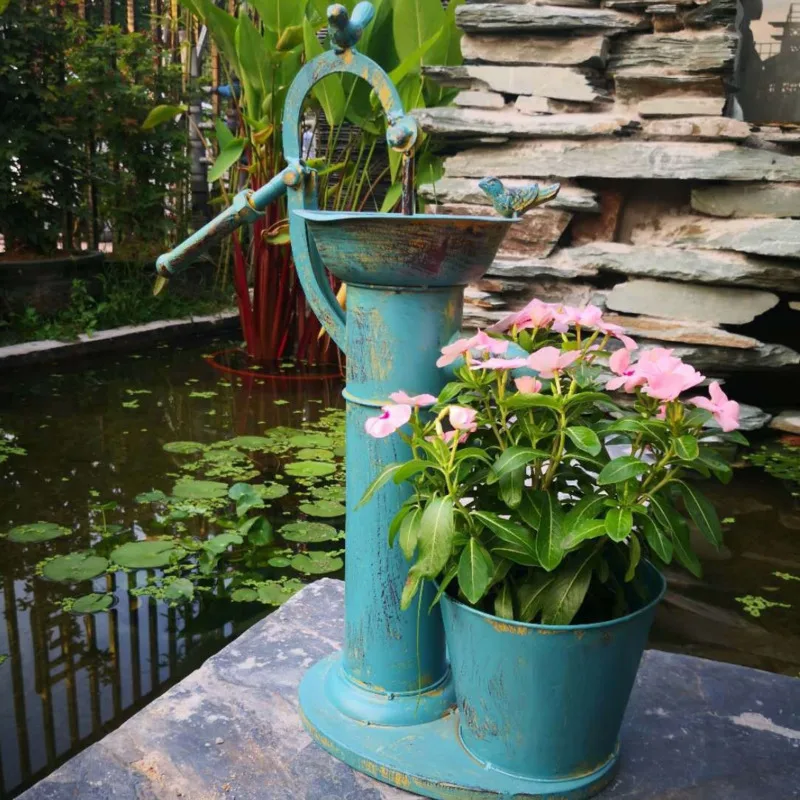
246, 207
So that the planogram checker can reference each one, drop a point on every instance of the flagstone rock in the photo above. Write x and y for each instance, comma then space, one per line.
459, 123
532, 104
635, 84
538, 268
625, 159
767, 237
700, 128
584, 51
486, 17
688, 301
748, 200
700, 266
787, 421
560, 83
480, 99
691, 51
461, 191
681, 106
684, 331
728, 359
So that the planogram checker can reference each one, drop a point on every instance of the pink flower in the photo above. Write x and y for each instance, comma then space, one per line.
535, 315
462, 418
448, 436
479, 343
666, 376
726, 412
393, 417
662, 411
418, 400
563, 317
500, 363
528, 385
550, 360
618, 332
629, 378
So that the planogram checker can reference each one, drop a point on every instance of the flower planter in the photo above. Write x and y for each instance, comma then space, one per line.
546, 701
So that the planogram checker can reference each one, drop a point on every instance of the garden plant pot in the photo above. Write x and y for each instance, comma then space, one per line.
546, 701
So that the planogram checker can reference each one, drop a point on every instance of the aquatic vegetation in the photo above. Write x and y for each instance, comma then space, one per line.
782, 461
786, 576
192, 489
309, 469
74, 567
92, 603
323, 508
316, 562
754, 605
146, 554
37, 532
8, 446
184, 448
308, 532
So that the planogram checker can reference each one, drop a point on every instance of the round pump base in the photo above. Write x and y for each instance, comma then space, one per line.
426, 758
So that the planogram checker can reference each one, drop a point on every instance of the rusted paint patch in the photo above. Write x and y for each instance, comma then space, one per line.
506, 627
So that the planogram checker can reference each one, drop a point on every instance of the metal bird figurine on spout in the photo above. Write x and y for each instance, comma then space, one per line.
346, 30
514, 203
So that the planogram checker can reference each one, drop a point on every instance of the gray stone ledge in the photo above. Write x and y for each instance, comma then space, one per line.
114, 339
695, 729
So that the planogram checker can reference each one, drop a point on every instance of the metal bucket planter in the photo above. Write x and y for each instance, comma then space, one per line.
545, 702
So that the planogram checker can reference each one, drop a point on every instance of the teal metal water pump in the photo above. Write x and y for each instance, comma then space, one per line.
385, 704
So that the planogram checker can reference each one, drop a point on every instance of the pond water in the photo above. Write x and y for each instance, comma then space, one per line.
95, 435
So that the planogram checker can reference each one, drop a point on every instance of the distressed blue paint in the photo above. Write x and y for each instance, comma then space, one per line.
546, 701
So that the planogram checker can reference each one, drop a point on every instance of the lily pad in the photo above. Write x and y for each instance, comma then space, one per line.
309, 469
92, 603
316, 563
37, 532
179, 590
144, 555
154, 496
252, 443
184, 448
323, 508
308, 532
272, 593
244, 595
333, 491
315, 454
271, 491
74, 567
311, 440
279, 562
191, 489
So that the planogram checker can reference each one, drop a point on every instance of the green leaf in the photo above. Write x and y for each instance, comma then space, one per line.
37, 532
504, 601
323, 508
392, 197
160, 115
619, 523
227, 157
565, 595
444, 582
687, 448
702, 512
511, 486
410, 469
410, 587
181, 590
588, 529
518, 544
409, 533
316, 563
716, 463
584, 510
659, 542
683, 550
219, 544
513, 459
529, 509
696, 417
397, 521
144, 555
415, 22
184, 448
309, 532
519, 401
531, 593
634, 556
191, 489
383, 477
550, 535
585, 439
475, 569
258, 531
621, 469
92, 603
435, 542
411, 63
309, 469
278, 15
224, 135
328, 92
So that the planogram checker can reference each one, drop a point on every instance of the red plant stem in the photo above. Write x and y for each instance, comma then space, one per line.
242, 294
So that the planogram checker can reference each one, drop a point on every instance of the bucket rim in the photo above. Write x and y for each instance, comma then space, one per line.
327, 216
536, 626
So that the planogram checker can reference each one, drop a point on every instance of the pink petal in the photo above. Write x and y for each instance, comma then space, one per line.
500, 363
462, 418
544, 361
704, 403
728, 416
418, 400
565, 359
528, 385
717, 395
392, 418
620, 361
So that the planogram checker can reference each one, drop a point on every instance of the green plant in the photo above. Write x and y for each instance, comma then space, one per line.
522, 508
263, 47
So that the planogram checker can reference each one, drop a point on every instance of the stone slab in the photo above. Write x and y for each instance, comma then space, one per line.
686, 301
679, 106
684, 331
697, 128
692, 51
786, 421
694, 730
513, 18
625, 159
748, 200
479, 99
583, 51
114, 339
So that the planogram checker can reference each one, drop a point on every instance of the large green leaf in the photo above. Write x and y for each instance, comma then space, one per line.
316, 563
161, 114
384, 476
328, 92
585, 439
716, 463
475, 569
511, 487
588, 529
513, 459
416, 21
659, 542
228, 156
309, 469
74, 567
681, 541
520, 401
565, 595
504, 601
530, 595
409, 532
549, 537
686, 447
191, 489
323, 508
309, 532
92, 603
621, 469
436, 531
278, 15
517, 543
37, 532
585, 509
619, 523
145, 555
703, 513
529, 509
